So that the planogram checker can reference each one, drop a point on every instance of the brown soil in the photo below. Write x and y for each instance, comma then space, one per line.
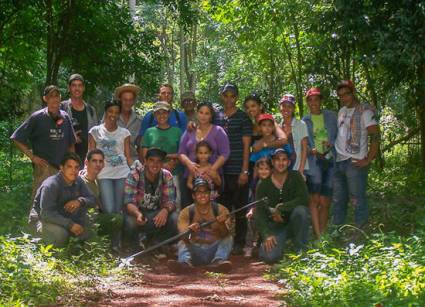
244, 286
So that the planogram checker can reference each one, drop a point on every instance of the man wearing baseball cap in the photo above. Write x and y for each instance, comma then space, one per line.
357, 123
49, 134
322, 129
210, 246
286, 213
127, 94
238, 127
176, 119
150, 200
82, 114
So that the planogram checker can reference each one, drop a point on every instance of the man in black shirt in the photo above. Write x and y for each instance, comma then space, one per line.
82, 114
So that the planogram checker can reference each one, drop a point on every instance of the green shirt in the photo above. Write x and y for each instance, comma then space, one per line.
293, 193
319, 132
167, 140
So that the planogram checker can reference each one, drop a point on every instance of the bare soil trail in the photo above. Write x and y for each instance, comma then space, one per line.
244, 286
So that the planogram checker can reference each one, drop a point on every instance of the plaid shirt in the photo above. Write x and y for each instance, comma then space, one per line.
134, 192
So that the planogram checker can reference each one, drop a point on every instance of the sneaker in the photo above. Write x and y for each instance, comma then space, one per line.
220, 266
180, 267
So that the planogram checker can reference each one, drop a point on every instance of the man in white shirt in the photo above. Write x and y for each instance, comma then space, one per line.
356, 124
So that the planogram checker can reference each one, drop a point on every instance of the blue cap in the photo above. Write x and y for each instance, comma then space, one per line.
279, 151
199, 182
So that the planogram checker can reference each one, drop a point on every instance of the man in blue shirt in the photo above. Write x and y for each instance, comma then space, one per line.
176, 118
49, 134
61, 204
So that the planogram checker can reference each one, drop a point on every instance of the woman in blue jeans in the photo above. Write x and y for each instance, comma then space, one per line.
322, 131
114, 141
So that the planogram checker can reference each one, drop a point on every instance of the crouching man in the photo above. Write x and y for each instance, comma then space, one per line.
150, 200
61, 204
210, 245
286, 215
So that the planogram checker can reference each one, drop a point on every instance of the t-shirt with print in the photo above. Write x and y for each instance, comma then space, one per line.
236, 126
152, 196
80, 123
112, 145
50, 139
344, 122
167, 140
319, 132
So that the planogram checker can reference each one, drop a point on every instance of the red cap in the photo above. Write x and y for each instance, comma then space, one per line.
314, 91
264, 116
345, 83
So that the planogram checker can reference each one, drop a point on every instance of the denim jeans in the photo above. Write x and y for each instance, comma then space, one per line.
58, 235
320, 177
203, 254
350, 184
297, 229
149, 230
112, 194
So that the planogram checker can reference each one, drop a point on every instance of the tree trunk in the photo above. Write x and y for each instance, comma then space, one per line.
182, 59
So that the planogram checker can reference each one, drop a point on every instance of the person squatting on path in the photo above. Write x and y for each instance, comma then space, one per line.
286, 213
82, 114
211, 245
50, 134
150, 200
61, 204
322, 130
356, 123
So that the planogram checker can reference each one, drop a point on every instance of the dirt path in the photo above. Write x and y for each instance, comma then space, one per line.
244, 286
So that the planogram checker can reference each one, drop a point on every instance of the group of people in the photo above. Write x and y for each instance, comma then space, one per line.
149, 179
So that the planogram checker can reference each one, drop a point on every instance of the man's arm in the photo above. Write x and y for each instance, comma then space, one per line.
86, 197
374, 140
49, 208
26, 151
168, 199
243, 177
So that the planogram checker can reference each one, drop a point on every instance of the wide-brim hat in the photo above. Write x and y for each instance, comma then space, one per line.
127, 87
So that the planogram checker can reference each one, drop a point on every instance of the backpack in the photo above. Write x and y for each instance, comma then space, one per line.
192, 211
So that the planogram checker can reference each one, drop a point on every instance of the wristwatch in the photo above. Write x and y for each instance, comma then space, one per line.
245, 172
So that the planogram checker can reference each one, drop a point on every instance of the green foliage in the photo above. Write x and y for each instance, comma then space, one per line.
34, 274
387, 270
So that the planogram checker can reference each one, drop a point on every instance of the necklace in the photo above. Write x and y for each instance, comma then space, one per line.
201, 134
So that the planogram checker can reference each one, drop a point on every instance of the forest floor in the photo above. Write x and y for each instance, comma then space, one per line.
245, 285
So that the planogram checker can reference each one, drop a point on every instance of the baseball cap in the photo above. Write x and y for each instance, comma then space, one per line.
279, 151
287, 98
50, 89
74, 77
199, 182
229, 87
265, 116
314, 91
155, 152
346, 83
161, 105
